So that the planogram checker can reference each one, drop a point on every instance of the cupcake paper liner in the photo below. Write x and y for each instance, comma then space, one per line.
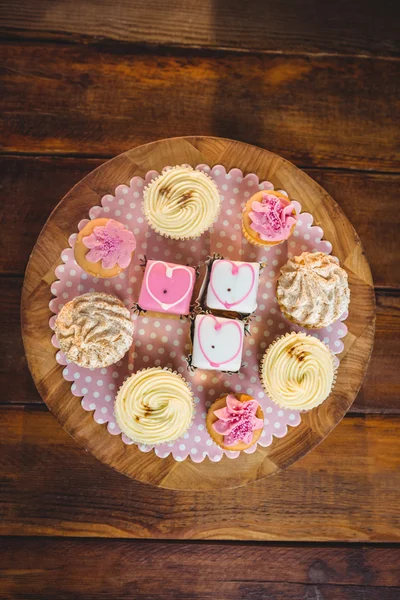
165, 341
335, 364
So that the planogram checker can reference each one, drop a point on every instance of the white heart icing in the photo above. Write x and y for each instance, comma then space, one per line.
233, 286
218, 343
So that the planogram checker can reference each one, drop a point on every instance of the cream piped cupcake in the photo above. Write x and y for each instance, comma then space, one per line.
154, 406
313, 290
298, 371
181, 203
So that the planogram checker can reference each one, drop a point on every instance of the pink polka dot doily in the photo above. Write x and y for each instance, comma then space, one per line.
165, 341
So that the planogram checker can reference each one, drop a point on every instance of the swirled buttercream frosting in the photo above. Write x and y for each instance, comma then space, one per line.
94, 330
313, 290
181, 203
298, 371
154, 406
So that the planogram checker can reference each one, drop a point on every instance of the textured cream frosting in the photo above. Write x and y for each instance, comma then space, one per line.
94, 330
181, 203
313, 290
154, 406
298, 371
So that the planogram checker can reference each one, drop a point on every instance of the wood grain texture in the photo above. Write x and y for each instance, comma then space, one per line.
256, 591
374, 220
100, 569
16, 382
379, 393
99, 101
315, 424
262, 25
382, 380
233, 590
346, 490
33, 187
36, 185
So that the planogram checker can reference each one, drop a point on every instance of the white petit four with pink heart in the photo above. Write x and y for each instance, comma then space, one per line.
217, 343
167, 287
233, 286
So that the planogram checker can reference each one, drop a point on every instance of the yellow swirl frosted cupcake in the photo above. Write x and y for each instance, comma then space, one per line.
154, 406
298, 371
182, 203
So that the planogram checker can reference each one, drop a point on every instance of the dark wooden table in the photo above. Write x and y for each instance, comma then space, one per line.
316, 82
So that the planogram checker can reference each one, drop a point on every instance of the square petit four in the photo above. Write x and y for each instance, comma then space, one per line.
233, 286
167, 287
217, 343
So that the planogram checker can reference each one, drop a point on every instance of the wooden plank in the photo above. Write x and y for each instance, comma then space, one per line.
97, 569
198, 590
50, 486
100, 101
382, 378
263, 25
379, 393
15, 379
33, 185
176, 587
374, 221
27, 181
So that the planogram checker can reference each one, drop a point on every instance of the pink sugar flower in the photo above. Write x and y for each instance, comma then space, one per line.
237, 421
272, 218
112, 244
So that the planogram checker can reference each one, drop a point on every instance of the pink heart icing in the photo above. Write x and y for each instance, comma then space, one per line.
168, 284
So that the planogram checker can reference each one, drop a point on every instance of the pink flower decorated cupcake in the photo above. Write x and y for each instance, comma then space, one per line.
104, 248
235, 421
269, 218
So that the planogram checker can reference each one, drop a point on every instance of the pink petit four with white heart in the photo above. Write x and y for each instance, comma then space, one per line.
233, 286
167, 287
217, 343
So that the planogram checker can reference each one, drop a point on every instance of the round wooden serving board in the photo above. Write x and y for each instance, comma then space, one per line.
47, 373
